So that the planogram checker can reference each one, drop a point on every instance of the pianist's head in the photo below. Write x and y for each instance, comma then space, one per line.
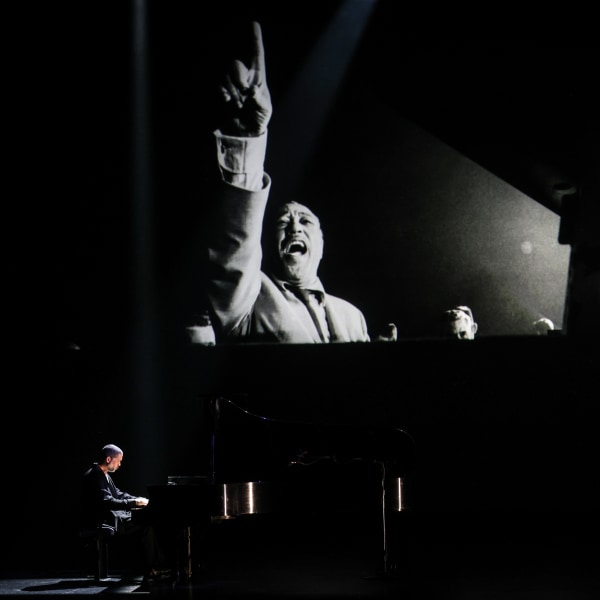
110, 458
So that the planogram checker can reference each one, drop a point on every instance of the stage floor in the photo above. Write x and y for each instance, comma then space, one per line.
441, 571
450, 556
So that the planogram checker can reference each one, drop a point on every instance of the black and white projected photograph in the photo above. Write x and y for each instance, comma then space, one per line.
312, 295
432, 166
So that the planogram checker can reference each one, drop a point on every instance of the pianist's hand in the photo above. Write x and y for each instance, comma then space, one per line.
140, 501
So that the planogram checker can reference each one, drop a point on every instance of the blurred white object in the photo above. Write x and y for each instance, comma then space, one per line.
389, 334
543, 326
202, 331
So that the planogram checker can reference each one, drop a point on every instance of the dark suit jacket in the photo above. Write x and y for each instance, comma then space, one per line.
100, 504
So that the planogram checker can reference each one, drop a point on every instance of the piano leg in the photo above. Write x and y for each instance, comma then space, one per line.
183, 553
190, 546
391, 501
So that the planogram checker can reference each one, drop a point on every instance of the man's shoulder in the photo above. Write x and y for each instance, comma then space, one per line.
93, 471
340, 303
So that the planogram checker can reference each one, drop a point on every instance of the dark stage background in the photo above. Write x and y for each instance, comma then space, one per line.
429, 154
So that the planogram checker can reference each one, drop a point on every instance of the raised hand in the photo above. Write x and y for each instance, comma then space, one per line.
245, 93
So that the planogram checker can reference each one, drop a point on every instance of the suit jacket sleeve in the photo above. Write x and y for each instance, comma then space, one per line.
235, 255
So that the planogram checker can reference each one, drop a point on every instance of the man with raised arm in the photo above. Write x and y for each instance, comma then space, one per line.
283, 300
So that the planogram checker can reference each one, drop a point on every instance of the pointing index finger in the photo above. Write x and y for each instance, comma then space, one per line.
258, 58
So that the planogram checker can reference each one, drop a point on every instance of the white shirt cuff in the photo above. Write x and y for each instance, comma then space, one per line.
241, 159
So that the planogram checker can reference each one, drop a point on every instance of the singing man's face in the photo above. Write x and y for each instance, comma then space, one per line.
299, 243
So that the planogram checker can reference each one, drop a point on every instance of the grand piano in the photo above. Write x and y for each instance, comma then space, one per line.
259, 465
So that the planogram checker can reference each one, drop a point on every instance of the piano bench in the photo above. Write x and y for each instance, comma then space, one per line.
97, 540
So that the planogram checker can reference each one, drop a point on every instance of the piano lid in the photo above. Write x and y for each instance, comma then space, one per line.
246, 446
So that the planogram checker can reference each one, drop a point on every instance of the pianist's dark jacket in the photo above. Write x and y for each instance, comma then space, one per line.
102, 502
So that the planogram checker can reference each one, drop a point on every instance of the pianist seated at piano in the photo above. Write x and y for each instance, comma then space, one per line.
103, 504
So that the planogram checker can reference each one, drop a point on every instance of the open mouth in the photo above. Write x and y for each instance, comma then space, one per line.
295, 247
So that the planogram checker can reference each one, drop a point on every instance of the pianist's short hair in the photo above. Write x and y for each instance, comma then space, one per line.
111, 450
